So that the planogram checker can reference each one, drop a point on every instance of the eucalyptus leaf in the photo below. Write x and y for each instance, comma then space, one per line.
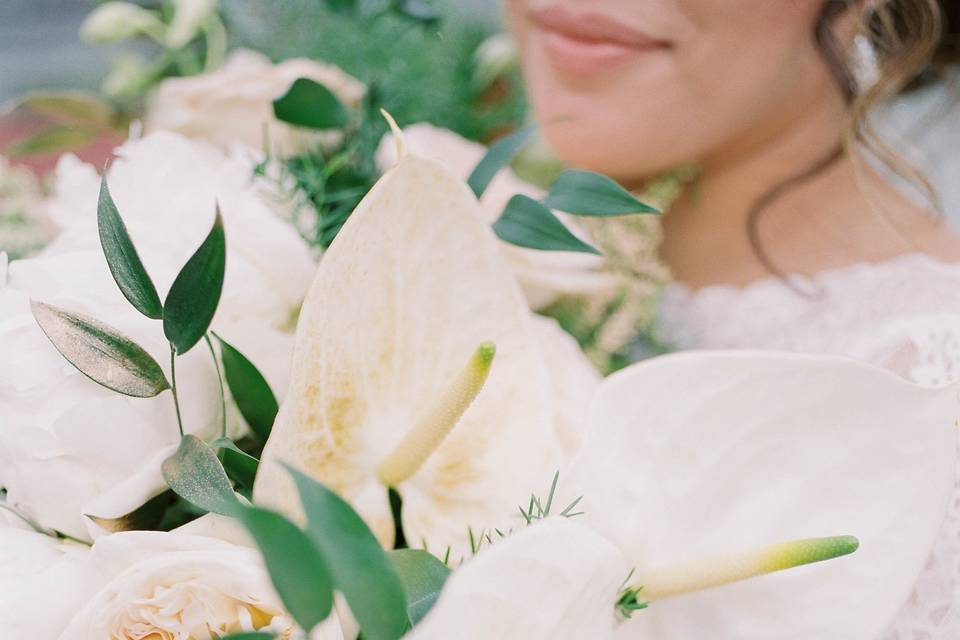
249, 389
527, 223
584, 193
239, 465
194, 295
423, 577
497, 157
297, 569
361, 569
53, 140
100, 352
195, 474
71, 107
307, 103
122, 257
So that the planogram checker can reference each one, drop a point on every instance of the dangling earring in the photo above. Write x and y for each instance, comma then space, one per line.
864, 63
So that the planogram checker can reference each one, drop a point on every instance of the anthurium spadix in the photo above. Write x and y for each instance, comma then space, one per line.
702, 470
418, 366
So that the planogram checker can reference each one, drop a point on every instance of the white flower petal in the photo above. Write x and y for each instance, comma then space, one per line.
411, 287
554, 580
701, 454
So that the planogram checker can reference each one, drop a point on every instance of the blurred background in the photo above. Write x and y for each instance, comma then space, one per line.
40, 44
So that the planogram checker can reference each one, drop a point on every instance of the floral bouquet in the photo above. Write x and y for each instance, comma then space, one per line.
291, 385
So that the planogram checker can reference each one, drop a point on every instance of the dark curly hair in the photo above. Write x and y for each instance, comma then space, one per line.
915, 42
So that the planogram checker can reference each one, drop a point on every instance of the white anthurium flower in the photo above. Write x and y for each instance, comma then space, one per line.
543, 275
234, 104
395, 383
71, 447
692, 459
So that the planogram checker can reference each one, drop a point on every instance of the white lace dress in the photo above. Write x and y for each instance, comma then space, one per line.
903, 314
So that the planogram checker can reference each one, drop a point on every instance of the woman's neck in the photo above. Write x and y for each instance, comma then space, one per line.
822, 223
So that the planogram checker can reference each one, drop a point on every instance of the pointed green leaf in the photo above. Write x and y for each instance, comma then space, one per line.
361, 569
343, 7
249, 389
239, 465
527, 223
310, 104
497, 157
71, 107
122, 257
423, 577
194, 295
297, 569
195, 474
54, 140
584, 193
100, 352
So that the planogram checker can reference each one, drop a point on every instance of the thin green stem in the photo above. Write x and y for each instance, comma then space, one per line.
223, 400
173, 387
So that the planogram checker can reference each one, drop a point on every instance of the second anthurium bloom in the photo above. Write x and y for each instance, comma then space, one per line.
419, 367
701, 470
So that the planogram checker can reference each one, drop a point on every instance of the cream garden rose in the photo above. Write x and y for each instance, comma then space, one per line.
543, 275
234, 105
70, 447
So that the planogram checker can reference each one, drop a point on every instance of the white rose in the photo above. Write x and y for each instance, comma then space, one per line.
68, 447
543, 275
145, 584
235, 103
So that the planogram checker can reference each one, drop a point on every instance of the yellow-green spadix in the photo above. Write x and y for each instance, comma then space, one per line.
394, 381
691, 459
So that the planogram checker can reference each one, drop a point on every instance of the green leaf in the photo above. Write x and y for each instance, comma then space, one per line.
249, 635
71, 107
297, 569
239, 465
584, 193
100, 352
527, 223
343, 7
249, 389
53, 140
423, 577
195, 474
122, 258
361, 569
418, 11
497, 157
194, 295
310, 104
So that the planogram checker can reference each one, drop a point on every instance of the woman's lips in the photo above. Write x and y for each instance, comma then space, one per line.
589, 43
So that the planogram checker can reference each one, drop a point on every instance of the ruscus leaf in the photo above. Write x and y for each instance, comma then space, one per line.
297, 569
249, 389
195, 474
423, 577
527, 223
308, 103
584, 193
361, 569
497, 157
194, 295
239, 465
122, 258
100, 352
